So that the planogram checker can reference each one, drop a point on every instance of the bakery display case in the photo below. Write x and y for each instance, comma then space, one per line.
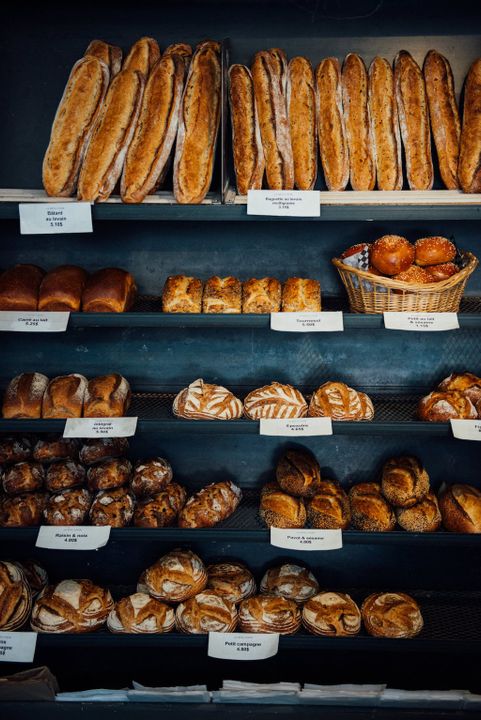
161, 353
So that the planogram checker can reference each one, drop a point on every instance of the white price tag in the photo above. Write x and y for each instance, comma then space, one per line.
45, 219
422, 322
466, 429
306, 427
72, 537
17, 646
100, 427
307, 321
33, 321
242, 646
284, 203
306, 539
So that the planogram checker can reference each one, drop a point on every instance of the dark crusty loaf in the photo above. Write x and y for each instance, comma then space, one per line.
19, 286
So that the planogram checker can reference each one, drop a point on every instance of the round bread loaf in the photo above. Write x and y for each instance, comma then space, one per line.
151, 477
208, 611
203, 401
425, 516
162, 509
269, 614
275, 401
292, 582
15, 597
35, 575
56, 448
232, 580
404, 481
112, 507
211, 505
392, 254
22, 510
14, 449
278, 509
94, 451
434, 251
26, 476
71, 606
68, 507
63, 475
177, 576
441, 406
441, 272
331, 614
370, 511
109, 474
298, 473
329, 509
340, 402
141, 614
460, 507
466, 383
391, 615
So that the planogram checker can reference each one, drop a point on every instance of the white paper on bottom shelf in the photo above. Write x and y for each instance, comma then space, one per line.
345, 694
99, 695
237, 691
179, 694
429, 698
241, 685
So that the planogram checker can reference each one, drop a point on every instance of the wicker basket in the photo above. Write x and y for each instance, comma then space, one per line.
370, 293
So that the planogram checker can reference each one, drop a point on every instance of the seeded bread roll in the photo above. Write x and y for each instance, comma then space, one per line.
63, 475
434, 251
331, 614
151, 477
232, 580
23, 477
56, 448
109, 474
19, 287
112, 507
292, 582
469, 168
64, 397
22, 510
24, 396
425, 516
68, 507
301, 295
162, 509
392, 254
111, 55
333, 146
356, 117
298, 473
404, 481
61, 289
383, 113
15, 449
107, 396
461, 508
109, 290
261, 296
142, 56
301, 108
94, 451
370, 511
222, 295
211, 505
278, 509
329, 508
392, 615
182, 294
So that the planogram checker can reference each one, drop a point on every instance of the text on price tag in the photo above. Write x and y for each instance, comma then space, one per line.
100, 427
242, 646
306, 427
306, 539
45, 219
17, 646
72, 537
422, 322
466, 429
307, 321
284, 203
33, 321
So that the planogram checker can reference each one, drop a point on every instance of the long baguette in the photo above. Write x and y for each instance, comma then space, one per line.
385, 125
198, 125
469, 170
247, 149
110, 54
301, 108
142, 56
414, 121
356, 117
333, 147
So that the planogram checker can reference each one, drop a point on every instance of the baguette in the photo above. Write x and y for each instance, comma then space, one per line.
301, 106
384, 120
110, 54
154, 136
414, 121
198, 125
142, 56
72, 127
111, 137
469, 170
330, 124
444, 113
249, 161
356, 117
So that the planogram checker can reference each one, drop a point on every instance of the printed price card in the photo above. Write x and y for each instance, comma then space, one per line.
17, 646
284, 203
306, 539
242, 646
100, 427
466, 429
47, 219
72, 537
421, 322
305, 427
33, 321
307, 321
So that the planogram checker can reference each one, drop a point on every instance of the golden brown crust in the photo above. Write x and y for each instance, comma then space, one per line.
208, 611
22, 510
298, 473
329, 508
261, 296
211, 505
441, 406
204, 401
107, 396
111, 55
176, 576
222, 295
425, 516
467, 383
404, 481
393, 615
232, 580
414, 121
469, 169
292, 582
333, 146
434, 250
370, 511
198, 125
61, 289
356, 117
140, 614
301, 108
71, 606
26, 476
461, 508
340, 402
392, 254
278, 509
109, 290
269, 614
19, 287
332, 614
15, 597
63, 475
385, 125
182, 294
24, 396
301, 295
72, 128
275, 401
57, 448
142, 56
160, 510
64, 396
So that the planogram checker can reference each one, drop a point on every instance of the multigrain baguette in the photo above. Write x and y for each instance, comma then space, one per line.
246, 139
356, 117
469, 170
270, 79
198, 125
110, 54
142, 56
72, 127
301, 109
383, 114
444, 114
333, 147
414, 121
111, 137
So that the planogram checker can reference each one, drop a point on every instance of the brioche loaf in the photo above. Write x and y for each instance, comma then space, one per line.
107, 396
24, 395
109, 290
64, 397
61, 289
19, 287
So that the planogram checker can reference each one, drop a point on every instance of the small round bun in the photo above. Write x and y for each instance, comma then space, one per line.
425, 516
292, 582
404, 481
441, 272
434, 251
329, 509
331, 614
298, 473
392, 254
414, 275
460, 507
278, 509
392, 615
370, 511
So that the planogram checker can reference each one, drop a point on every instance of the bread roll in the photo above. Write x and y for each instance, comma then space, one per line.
269, 614
386, 139
331, 614
441, 272
68, 507
35, 575
275, 401
301, 295
414, 121
392, 254
292, 582
278, 509
142, 56
26, 476
94, 451
469, 168
404, 481
433, 251
211, 505
298, 473
56, 448
22, 510
425, 516
370, 511
232, 580
109, 474
111, 55
111, 137
247, 149
23, 396
222, 295
64, 396
107, 396
112, 507
198, 125
333, 146
61, 289
466, 383
208, 611
414, 274
160, 510
63, 475
329, 508
340, 402
261, 296
15, 449
461, 508
356, 117
177, 576
392, 615
72, 128
15, 597
71, 606
19, 286
202, 401
301, 108
109, 290
182, 294
441, 406
140, 614
151, 477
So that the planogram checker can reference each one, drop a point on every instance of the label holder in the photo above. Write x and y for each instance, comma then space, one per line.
297, 427
73, 537
284, 203
55, 218
301, 322
307, 539
242, 646
100, 427
33, 321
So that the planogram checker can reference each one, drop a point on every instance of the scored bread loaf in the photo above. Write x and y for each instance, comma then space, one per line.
261, 296
301, 295
56, 448
182, 294
467, 383
15, 597
404, 481
107, 396
111, 55
383, 113
72, 128
24, 396
393, 615
61, 289
222, 295
71, 606
331, 614
460, 507
139, 613
341, 402
22, 510
35, 575
370, 511
278, 509
142, 56
112, 507
15, 449
68, 507
161, 509
19, 287
331, 129
298, 473
203, 401
292, 582
93, 451
329, 508
301, 108
25, 476
275, 401
269, 614
151, 477
441, 406
232, 580
208, 611
425, 516
362, 169
64, 396
211, 505
469, 169
175, 577
109, 290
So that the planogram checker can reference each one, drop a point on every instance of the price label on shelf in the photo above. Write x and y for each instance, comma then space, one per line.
17, 646
307, 321
305, 427
284, 203
47, 219
242, 646
306, 539
100, 427
421, 322
466, 429
72, 537
33, 321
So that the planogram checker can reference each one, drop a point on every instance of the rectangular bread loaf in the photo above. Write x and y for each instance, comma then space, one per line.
24, 395
19, 287
261, 296
107, 396
301, 295
222, 295
384, 120
301, 107
61, 289
109, 290
182, 294
64, 397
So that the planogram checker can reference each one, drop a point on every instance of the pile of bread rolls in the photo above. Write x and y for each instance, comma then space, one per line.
457, 397
203, 401
360, 119
125, 121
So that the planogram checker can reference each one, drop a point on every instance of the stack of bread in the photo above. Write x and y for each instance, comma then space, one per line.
360, 119
457, 397
125, 121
